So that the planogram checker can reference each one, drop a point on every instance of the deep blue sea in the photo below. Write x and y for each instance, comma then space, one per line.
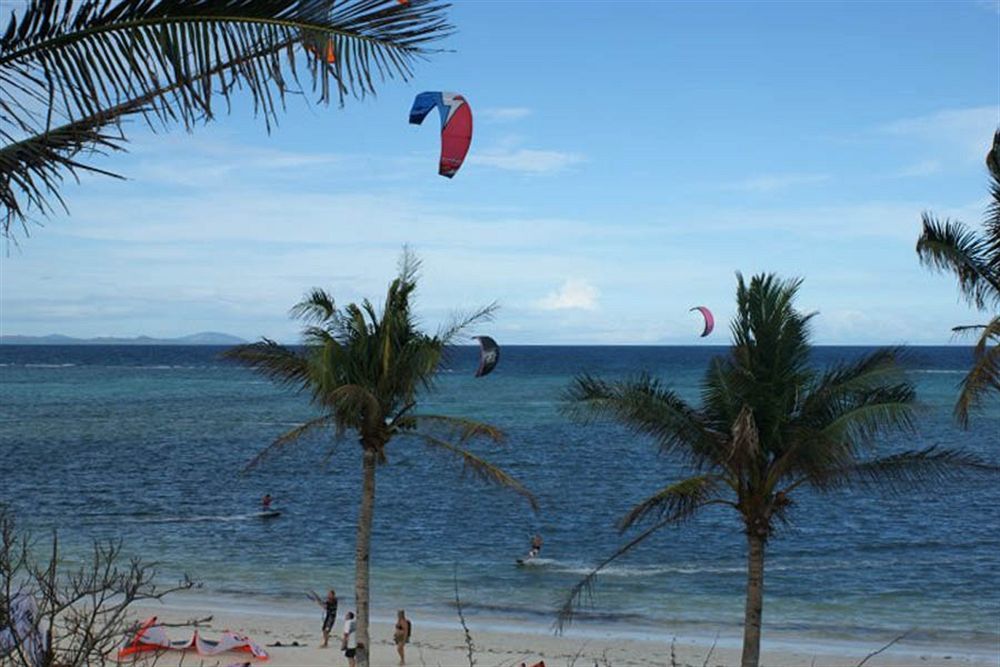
148, 443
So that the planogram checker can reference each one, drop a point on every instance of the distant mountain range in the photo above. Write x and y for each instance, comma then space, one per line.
203, 338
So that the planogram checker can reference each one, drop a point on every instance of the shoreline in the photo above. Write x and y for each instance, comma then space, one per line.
508, 640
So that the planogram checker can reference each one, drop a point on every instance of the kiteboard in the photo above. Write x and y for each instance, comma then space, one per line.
268, 514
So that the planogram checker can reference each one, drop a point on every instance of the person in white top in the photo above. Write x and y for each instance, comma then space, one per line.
350, 642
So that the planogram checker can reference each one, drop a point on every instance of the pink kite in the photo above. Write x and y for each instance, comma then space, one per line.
709, 320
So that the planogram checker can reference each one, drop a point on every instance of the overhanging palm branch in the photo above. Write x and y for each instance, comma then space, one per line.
644, 406
897, 472
984, 376
96, 62
975, 261
951, 246
290, 437
457, 428
583, 590
36, 166
679, 500
479, 467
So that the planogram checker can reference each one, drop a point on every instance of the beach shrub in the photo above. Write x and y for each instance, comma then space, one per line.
57, 614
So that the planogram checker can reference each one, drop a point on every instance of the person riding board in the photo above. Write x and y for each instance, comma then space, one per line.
265, 503
536, 546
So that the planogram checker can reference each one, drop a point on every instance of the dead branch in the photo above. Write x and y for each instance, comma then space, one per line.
875, 653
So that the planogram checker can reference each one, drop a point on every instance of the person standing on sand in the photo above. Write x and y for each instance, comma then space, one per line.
330, 615
401, 635
350, 642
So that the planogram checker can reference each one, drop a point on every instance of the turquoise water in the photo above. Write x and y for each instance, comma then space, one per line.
147, 444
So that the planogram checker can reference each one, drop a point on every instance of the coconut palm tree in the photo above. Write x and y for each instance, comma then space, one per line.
70, 73
363, 371
975, 260
769, 424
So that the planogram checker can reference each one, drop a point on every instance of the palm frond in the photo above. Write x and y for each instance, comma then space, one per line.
354, 406
457, 428
984, 376
680, 500
462, 321
479, 467
992, 222
317, 306
900, 472
37, 165
274, 361
169, 60
289, 438
584, 589
644, 406
951, 246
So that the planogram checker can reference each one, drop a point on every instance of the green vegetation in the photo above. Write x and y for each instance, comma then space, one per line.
363, 370
70, 73
975, 261
769, 424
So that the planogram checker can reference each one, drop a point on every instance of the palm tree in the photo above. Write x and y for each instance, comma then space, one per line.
70, 73
363, 371
769, 424
975, 261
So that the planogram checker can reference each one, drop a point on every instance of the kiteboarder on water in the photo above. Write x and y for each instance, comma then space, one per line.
536, 546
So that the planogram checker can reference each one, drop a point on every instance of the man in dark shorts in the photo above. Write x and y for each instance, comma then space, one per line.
330, 615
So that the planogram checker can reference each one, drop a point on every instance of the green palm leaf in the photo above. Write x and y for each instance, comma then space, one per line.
479, 467
680, 500
645, 407
170, 60
897, 472
984, 376
951, 246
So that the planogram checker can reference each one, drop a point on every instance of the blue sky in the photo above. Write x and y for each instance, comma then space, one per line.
628, 159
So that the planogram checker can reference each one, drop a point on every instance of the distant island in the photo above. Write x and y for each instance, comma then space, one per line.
203, 338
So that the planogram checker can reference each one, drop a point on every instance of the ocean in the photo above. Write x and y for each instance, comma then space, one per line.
149, 444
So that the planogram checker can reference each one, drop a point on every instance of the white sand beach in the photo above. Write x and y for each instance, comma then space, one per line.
500, 642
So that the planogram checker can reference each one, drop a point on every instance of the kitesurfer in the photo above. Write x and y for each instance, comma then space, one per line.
536, 546
265, 503
330, 614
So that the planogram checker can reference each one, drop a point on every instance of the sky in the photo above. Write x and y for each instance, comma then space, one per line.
628, 159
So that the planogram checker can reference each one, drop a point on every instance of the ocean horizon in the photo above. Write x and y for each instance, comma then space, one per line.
149, 445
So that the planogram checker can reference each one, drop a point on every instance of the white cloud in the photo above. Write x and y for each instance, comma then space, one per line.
526, 159
775, 182
917, 169
968, 131
503, 114
989, 5
574, 293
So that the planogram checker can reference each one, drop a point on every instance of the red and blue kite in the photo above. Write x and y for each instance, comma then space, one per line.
456, 126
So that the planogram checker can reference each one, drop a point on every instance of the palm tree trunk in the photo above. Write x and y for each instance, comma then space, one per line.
362, 552
755, 600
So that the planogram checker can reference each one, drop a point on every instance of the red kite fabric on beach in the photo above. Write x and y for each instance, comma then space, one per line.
153, 637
